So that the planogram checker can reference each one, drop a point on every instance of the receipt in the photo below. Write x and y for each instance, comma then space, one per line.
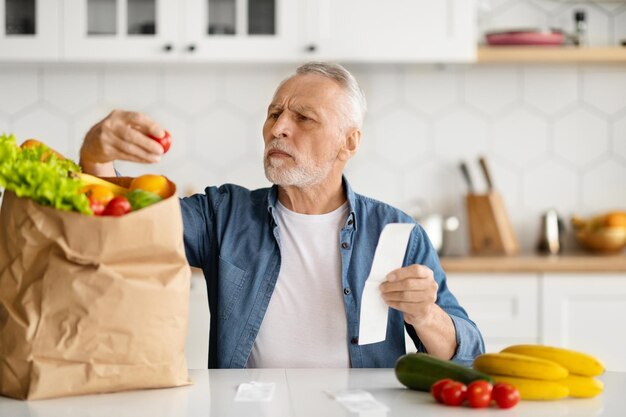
359, 401
389, 255
255, 391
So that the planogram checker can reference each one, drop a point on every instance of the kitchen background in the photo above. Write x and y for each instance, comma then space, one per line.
555, 135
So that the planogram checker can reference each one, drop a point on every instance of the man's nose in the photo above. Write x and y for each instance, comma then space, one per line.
282, 126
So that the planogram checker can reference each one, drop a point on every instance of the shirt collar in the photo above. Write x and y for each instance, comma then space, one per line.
272, 199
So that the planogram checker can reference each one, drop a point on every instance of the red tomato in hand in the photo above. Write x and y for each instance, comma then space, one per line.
435, 389
117, 207
165, 141
505, 395
97, 206
453, 393
479, 394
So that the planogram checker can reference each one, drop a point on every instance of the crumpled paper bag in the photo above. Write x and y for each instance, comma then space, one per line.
91, 304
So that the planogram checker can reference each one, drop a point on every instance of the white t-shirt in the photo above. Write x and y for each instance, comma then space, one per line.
305, 325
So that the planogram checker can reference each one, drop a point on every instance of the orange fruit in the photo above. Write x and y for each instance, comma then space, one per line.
99, 193
34, 143
156, 184
616, 219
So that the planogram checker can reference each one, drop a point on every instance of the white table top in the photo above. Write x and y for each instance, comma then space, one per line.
300, 392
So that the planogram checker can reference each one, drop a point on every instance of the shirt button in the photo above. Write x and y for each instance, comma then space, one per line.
345, 245
354, 340
346, 291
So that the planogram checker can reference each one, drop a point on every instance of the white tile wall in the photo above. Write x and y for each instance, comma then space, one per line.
561, 81
555, 134
520, 137
131, 87
18, 88
602, 87
572, 133
618, 143
69, 100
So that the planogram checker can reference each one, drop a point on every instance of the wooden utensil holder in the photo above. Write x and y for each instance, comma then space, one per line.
490, 228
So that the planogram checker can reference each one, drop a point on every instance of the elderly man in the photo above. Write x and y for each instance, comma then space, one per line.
285, 266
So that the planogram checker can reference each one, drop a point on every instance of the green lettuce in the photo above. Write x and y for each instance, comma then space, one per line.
39, 174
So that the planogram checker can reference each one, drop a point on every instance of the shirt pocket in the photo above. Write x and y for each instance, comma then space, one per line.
231, 283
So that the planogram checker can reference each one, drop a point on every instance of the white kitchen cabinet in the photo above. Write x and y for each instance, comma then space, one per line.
125, 30
171, 30
586, 312
503, 306
581, 311
391, 31
29, 30
241, 30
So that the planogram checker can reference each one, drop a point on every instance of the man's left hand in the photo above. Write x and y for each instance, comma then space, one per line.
413, 291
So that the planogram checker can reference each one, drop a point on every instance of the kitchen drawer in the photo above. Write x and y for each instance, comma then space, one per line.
584, 311
504, 306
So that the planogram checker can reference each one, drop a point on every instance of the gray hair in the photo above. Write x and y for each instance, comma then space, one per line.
357, 105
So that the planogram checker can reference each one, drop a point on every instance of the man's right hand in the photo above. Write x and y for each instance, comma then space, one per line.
122, 135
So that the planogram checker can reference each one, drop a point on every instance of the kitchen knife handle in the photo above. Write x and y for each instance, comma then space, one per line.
486, 172
467, 177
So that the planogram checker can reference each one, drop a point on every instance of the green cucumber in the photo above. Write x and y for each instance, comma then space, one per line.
419, 371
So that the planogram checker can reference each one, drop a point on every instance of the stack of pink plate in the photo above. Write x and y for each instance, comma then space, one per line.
525, 37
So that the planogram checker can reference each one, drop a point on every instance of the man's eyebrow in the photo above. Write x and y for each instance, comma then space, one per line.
274, 106
305, 109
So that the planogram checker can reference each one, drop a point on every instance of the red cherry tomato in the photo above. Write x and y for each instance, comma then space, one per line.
479, 394
505, 395
165, 141
117, 207
453, 393
97, 206
435, 389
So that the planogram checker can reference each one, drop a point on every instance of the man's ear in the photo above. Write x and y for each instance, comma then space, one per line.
351, 144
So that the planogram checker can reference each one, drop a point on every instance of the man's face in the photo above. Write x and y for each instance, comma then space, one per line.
304, 131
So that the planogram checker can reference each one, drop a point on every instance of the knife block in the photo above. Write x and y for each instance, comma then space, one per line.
490, 228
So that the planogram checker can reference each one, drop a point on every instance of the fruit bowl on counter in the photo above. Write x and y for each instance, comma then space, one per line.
605, 233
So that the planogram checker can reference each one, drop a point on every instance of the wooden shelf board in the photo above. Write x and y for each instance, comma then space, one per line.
535, 263
543, 54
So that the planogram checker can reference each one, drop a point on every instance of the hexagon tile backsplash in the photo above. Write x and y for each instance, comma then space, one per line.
554, 135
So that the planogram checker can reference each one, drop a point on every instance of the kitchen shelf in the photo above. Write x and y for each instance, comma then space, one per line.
554, 54
535, 263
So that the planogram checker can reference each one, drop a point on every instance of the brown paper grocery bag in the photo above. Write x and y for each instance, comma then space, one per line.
91, 304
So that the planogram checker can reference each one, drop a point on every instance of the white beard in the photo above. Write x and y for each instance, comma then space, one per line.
305, 173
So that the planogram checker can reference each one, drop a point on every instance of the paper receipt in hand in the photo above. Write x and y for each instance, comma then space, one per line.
389, 255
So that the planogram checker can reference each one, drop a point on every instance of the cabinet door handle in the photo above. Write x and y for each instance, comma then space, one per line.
191, 47
168, 47
311, 48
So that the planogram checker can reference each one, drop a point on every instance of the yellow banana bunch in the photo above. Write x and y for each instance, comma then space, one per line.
544, 372
536, 389
577, 363
582, 386
521, 366
87, 180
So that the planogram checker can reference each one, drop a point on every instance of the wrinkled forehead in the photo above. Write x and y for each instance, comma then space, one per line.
309, 90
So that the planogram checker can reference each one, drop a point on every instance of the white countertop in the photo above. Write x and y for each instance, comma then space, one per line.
299, 392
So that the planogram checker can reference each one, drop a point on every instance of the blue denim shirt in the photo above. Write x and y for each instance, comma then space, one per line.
232, 234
